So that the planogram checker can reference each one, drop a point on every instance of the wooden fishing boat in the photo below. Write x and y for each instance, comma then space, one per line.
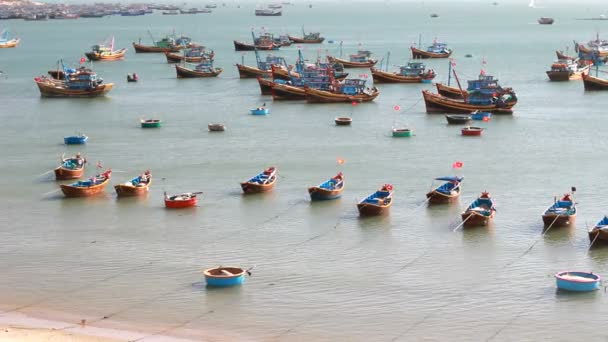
450, 92
252, 72
413, 72
343, 121
265, 85
437, 50
135, 187
471, 131
378, 203
262, 182
194, 54
82, 82
150, 123
594, 83
599, 233
240, 46
560, 213
308, 38
567, 69
173, 57
545, 21
402, 132
166, 44
436, 103
447, 192
224, 276
6, 41
285, 91
324, 96
90, 187
204, 69
561, 55
216, 127
70, 168
577, 281
180, 201
458, 119
263, 67
328, 190
75, 139
139, 48
105, 52
355, 61
480, 212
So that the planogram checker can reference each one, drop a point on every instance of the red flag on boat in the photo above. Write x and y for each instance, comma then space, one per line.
397, 107
340, 161
82, 60
486, 118
482, 72
457, 165
99, 164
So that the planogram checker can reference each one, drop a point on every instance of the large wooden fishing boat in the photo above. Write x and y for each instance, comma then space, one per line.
105, 52
326, 96
6, 41
480, 212
328, 190
597, 47
560, 213
308, 38
266, 85
90, 187
567, 69
378, 203
190, 55
447, 192
70, 168
561, 55
263, 69
204, 69
139, 48
599, 233
82, 82
135, 187
436, 103
167, 44
437, 50
286, 91
262, 182
413, 72
594, 83
263, 42
359, 60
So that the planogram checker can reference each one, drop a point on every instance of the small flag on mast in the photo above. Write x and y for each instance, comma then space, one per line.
457, 165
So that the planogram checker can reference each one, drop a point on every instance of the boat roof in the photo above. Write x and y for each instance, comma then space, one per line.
450, 178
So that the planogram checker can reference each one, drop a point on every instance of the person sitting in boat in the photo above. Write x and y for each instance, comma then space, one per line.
135, 78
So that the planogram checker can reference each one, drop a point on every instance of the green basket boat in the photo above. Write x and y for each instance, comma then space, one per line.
402, 132
151, 123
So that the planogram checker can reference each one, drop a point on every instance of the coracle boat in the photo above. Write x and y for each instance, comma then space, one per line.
594, 83
150, 123
362, 59
378, 203
132, 77
308, 38
263, 42
328, 190
204, 69
105, 52
136, 186
75, 139
471, 131
599, 233
216, 127
577, 281
560, 213
413, 72
480, 212
458, 119
351, 90
264, 68
260, 110
447, 192
545, 21
262, 182
195, 54
70, 168
6, 41
90, 187
567, 69
343, 121
402, 132
185, 200
224, 276
167, 44
437, 50
83, 82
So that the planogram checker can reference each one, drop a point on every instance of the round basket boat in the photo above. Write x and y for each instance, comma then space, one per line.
344, 121
401, 132
577, 281
216, 127
224, 276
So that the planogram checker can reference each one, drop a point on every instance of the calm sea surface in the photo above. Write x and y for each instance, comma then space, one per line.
321, 273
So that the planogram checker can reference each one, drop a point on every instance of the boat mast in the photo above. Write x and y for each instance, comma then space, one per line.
388, 56
257, 57
464, 94
341, 48
420, 41
152, 37
449, 71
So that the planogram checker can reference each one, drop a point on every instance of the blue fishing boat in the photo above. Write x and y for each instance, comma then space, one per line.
75, 139
560, 213
577, 281
447, 192
224, 276
480, 212
331, 189
264, 67
377, 203
479, 115
260, 110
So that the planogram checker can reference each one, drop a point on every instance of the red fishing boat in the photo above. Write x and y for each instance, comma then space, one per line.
70, 168
90, 187
471, 131
185, 200
262, 182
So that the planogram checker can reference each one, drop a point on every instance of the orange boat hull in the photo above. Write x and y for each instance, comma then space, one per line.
50, 88
63, 174
72, 191
181, 204
116, 55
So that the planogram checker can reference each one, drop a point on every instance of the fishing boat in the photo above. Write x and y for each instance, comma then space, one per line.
6, 41
480, 212
150, 123
75, 139
204, 69
224, 276
166, 44
437, 50
362, 59
308, 38
599, 233
597, 47
262, 182
135, 187
577, 281
70, 168
561, 55
328, 190
402, 132
343, 121
447, 192
471, 131
477, 100
378, 203
350, 90
132, 77
105, 52
216, 127
594, 83
413, 72
268, 12
545, 21
264, 67
458, 119
82, 82
560, 213
266, 85
283, 40
90, 187
485, 84
479, 115
260, 110
185, 200
195, 54
263, 42
567, 69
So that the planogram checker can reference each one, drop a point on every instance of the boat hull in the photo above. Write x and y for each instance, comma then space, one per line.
48, 88
554, 220
128, 190
348, 64
63, 173
598, 236
235, 277
177, 58
592, 284
319, 194
368, 209
73, 191
561, 76
473, 219
306, 41
265, 111
284, 92
154, 49
594, 83
436, 197
265, 86
75, 140
458, 119
183, 72
154, 124
436, 103
447, 91
115, 55
240, 46
391, 77
189, 203
322, 96
402, 133
255, 188
252, 72
422, 54
471, 131
343, 121
10, 44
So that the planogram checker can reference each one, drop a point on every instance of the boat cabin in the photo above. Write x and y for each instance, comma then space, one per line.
412, 69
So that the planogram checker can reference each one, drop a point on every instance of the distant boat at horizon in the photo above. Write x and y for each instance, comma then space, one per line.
532, 4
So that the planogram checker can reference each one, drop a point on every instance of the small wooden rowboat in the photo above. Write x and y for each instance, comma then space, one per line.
260, 111
150, 123
106, 56
447, 192
75, 139
216, 127
343, 121
577, 281
90, 187
351, 64
594, 83
196, 72
262, 182
480, 212
10, 43
70, 168
402, 132
471, 131
328, 190
136, 186
378, 203
560, 213
139, 48
185, 200
458, 119
225, 276
599, 233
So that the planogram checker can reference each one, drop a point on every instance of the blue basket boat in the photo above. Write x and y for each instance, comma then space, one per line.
577, 281
75, 139
224, 276
260, 111
477, 115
